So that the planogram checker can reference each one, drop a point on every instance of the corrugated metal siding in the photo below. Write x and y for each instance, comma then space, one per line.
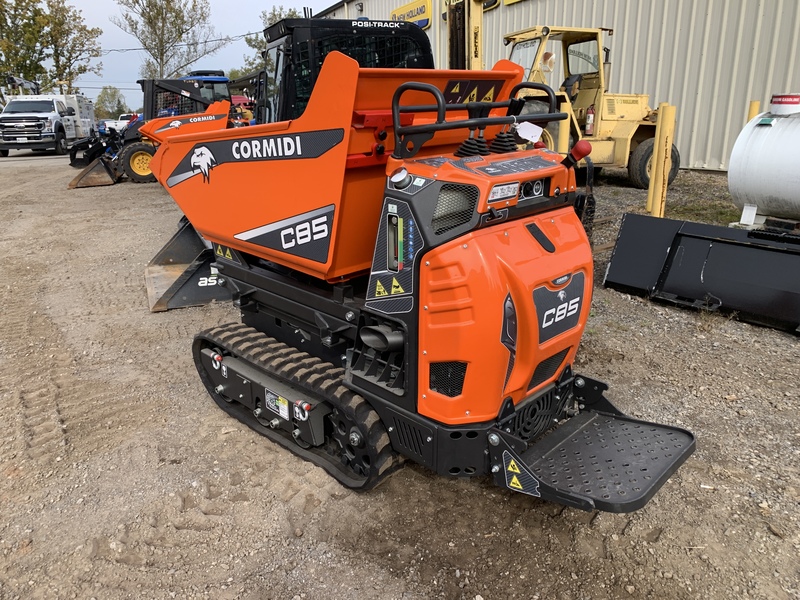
709, 58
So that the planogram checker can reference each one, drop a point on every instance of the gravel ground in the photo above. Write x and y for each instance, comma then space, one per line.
119, 477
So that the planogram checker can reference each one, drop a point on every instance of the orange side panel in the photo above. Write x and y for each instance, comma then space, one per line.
240, 186
214, 118
463, 287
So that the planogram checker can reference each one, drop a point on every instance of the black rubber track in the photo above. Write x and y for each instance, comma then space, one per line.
312, 377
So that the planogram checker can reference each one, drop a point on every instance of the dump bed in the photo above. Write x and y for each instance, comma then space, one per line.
307, 193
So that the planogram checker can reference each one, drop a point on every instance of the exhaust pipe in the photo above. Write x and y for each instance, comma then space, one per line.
382, 338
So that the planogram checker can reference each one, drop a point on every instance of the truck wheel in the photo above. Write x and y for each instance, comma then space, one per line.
135, 161
641, 160
4, 153
61, 143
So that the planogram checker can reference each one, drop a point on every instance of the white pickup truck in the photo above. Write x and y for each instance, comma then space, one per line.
121, 122
45, 122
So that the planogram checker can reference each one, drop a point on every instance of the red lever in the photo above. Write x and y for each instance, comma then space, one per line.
579, 150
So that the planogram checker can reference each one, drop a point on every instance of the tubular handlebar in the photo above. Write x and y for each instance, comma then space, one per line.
409, 139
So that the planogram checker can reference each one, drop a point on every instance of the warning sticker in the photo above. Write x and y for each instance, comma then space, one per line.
458, 91
518, 477
380, 290
225, 252
396, 289
277, 404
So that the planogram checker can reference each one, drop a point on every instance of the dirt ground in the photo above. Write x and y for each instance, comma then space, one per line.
120, 478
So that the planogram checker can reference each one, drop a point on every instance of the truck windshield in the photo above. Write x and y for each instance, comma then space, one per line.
29, 106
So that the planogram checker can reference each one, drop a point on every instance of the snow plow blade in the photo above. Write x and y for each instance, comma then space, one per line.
746, 273
99, 172
182, 275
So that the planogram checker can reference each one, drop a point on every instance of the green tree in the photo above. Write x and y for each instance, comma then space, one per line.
71, 45
174, 34
110, 103
22, 51
258, 43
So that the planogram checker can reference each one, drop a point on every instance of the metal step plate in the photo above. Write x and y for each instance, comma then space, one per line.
615, 462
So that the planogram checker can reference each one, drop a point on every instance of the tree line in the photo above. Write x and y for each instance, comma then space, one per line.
47, 41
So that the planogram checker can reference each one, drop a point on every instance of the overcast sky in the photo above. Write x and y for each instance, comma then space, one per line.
121, 69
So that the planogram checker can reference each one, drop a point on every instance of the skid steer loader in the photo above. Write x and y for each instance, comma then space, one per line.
411, 285
173, 103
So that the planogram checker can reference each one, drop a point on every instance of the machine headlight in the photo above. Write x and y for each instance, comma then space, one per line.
48, 125
504, 191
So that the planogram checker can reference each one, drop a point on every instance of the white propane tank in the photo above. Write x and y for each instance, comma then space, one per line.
764, 169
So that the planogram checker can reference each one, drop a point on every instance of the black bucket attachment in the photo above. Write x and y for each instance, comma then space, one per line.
182, 275
750, 273
99, 172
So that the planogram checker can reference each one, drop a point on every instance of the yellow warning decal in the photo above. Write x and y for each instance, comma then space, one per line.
380, 290
518, 476
396, 289
456, 89
473, 95
489, 96
224, 252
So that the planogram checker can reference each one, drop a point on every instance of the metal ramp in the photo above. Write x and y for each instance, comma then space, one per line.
594, 460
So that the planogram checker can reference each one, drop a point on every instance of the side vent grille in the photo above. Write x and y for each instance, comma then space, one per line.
455, 206
409, 437
547, 368
447, 378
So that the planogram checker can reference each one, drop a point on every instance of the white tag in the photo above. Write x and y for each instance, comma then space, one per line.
529, 131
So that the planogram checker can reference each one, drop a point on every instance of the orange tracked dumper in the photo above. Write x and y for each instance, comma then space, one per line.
411, 285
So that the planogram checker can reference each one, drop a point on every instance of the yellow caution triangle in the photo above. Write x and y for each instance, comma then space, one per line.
489, 96
512, 466
514, 483
396, 289
456, 88
473, 95
219, 251
380, 290
228, 254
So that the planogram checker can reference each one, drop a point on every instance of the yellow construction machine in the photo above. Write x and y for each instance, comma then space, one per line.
574, 62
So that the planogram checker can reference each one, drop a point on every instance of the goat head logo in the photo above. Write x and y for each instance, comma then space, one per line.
203, 161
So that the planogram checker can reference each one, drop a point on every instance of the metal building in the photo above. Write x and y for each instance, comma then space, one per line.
709, 58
